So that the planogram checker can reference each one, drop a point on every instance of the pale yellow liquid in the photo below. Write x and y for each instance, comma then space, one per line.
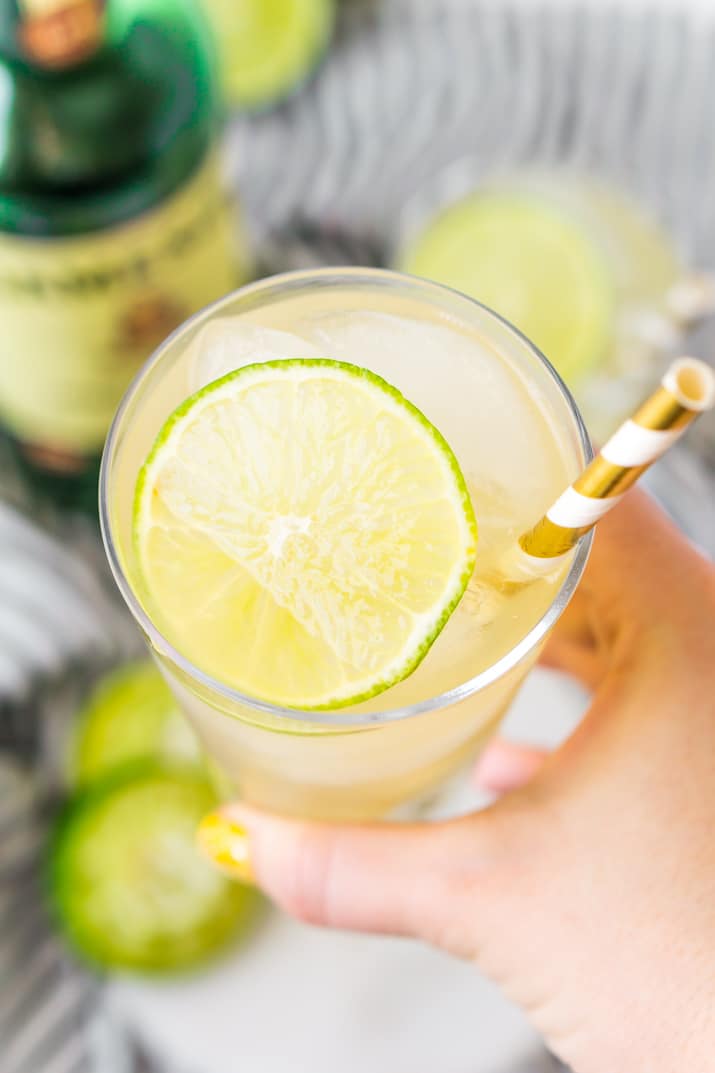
517, 448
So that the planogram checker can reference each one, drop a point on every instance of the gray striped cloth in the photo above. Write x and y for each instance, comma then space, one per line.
413, 85
409, 87
49, 1010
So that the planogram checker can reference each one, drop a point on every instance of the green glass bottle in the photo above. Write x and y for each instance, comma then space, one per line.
113, 223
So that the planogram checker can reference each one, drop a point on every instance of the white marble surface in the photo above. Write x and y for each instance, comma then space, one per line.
300, 1000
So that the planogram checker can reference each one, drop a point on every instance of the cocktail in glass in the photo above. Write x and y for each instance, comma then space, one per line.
519, 440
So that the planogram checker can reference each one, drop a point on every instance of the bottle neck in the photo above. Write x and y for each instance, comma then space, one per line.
112, 132
52, 35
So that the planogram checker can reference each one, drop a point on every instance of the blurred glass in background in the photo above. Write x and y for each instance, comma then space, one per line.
575, 264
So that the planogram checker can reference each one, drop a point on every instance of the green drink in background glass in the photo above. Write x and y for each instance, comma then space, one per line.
575, 264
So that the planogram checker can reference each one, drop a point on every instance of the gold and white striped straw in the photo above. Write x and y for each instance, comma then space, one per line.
686, 391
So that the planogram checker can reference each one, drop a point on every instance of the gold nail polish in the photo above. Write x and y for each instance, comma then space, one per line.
225, 843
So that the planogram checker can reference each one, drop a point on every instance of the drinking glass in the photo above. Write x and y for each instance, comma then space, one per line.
520, 440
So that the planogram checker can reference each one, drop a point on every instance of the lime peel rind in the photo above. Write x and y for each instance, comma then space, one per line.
126, 719
258, 372
260, 74
83, 895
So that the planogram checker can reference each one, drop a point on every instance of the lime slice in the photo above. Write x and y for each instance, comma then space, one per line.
127, 883
267, 47
536, 267
130, 716
303, 532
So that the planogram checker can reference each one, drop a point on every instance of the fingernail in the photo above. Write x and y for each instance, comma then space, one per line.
225, 843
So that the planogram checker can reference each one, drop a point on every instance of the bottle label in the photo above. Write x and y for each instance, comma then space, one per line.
58, 33
79, 315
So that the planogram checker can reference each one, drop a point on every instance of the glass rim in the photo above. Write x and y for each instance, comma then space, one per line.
336, 717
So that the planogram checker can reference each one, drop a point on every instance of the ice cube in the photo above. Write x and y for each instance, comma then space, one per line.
228, 344
481, 602
491, 417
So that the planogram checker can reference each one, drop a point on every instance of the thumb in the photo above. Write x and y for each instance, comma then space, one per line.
396, 878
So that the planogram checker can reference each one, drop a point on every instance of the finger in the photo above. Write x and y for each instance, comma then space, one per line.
575, 646
641, 567
575, 622
639, 583
584, 662
391, 878
506, 766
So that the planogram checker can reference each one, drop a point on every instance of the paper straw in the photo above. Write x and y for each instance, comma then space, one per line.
686, 391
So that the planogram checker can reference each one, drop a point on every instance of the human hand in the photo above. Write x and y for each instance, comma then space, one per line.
588, 890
